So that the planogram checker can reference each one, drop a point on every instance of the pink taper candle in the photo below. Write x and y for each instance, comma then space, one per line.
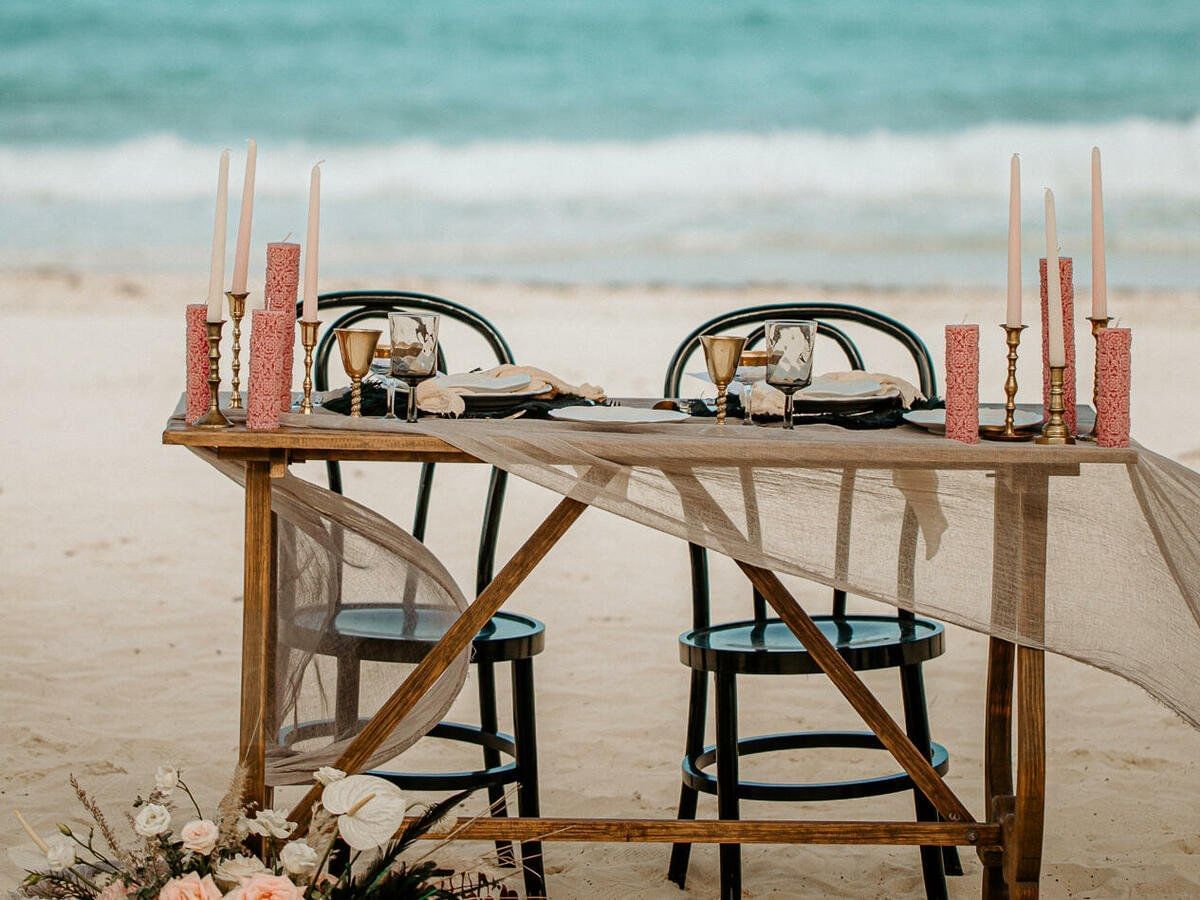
197, 362
1112, 387
1054, 298
1066, 291
962, 383
311, 245
241, 256
1014, 242
1099, 275
216, 269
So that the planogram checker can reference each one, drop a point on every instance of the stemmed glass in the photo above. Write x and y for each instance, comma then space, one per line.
414, 352
383, 372
721, 353
790, 360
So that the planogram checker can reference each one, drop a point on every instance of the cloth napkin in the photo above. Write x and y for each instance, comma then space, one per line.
438, 398
767, 401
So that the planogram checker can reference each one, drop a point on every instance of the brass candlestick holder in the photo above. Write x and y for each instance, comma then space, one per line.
1008, 431
237, 309
1055, 430
308, 338
214, 418
721, 353
358, 349
1099, 323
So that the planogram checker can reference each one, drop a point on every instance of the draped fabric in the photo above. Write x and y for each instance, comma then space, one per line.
908, 519
359, 603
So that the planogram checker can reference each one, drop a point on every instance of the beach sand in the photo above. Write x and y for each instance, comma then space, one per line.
122, 582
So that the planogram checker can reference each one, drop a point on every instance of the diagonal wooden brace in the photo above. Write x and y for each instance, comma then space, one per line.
456, 639
914, 762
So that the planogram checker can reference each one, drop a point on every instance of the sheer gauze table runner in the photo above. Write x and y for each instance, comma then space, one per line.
1123, 546
333, 553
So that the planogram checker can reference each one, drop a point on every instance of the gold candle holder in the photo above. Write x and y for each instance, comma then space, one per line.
308, 338
358, 349
237, 309
214, 418
721, 353
1055, 430
1008, 431
1099, 323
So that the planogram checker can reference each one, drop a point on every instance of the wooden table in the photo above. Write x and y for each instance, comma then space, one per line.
1007, 837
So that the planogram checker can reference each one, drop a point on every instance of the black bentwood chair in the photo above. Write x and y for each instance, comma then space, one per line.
765, 646
508, 637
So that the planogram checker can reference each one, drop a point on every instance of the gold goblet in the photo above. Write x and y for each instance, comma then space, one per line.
358, 349
721, 353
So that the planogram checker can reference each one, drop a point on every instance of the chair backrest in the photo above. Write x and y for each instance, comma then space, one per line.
361, 306
752, 320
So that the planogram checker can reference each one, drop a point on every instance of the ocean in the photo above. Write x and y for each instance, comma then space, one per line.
862, 142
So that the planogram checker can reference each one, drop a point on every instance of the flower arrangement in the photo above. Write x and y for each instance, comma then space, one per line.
239, 856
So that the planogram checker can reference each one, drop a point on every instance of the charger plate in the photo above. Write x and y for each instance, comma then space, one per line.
617, 415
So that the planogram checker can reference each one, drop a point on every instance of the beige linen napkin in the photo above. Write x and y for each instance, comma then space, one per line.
767, 401
441, 399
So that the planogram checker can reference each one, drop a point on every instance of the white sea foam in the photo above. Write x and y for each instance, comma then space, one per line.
1143, 159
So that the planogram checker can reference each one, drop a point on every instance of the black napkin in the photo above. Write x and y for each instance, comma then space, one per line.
880, 418
374, 403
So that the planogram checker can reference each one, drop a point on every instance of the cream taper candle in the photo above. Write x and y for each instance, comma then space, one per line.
241, 257
1099, 275
1014, 243
216, 268
1058, 353
309, 313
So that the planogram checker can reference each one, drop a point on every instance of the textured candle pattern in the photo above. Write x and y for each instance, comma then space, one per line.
197, 361
1068, 311
269, 331
283, 277
1112, 387
962, 383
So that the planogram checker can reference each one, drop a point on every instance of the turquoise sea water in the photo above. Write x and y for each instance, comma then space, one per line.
857, 141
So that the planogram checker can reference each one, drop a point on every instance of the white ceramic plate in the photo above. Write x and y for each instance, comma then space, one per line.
478, 383
617, 415
935, 419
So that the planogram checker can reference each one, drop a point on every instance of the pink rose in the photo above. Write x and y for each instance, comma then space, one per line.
190, 887
199, 836
265, 887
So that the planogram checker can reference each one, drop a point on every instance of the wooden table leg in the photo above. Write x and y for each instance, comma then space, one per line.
456, 639
258, 629
997, 771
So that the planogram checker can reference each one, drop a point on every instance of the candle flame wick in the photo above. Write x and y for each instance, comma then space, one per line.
285, 237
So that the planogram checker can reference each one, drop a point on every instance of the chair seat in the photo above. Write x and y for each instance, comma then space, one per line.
390, 633
769, 647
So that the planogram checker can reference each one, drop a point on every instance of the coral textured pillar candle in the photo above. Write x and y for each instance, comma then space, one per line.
269, 338
197, 362
1099, 274
283, 276
1066, 303
241, 256
1112, 387
1055, 334
962, 383
216, 268
1014, 243
311, 245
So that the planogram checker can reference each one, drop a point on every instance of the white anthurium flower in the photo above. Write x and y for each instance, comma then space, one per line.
369, 809
153, 819
60, 853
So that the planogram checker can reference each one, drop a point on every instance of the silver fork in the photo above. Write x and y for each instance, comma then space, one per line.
612, 402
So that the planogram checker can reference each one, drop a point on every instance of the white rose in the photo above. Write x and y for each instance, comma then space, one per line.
328, 775
230, 872
269, 823
199, 836
166, 779
152, 820
299, 858
60, 853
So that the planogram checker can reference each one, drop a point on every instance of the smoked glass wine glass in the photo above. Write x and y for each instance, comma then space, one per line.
790, 360
414, 351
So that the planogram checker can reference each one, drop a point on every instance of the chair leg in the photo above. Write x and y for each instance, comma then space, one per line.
916, 724
525, 732
345, 704
489, 721
697, 710
727, 782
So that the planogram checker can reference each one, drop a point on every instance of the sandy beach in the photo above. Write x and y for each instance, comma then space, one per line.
122, 581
